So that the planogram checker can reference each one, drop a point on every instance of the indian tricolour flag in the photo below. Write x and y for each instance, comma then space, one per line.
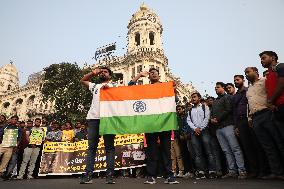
138, 109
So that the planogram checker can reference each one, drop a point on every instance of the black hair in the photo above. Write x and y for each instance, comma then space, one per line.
15, 116
179, 106
269, 53
240, 76
37, 119
253, 68
223, 85
264, 73
108, 69
29, 121
151, 69
196, 93
230, 84
3, 116
210, 97
21, 122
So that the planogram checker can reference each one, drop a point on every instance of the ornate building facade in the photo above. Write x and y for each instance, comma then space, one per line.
144, 51
25, 101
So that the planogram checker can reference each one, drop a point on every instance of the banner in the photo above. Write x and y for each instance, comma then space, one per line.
66, 158
10, 138
138, 109
36, 136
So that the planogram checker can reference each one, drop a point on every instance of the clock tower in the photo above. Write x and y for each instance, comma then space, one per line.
144, 31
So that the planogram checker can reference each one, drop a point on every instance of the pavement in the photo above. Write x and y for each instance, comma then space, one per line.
132, 183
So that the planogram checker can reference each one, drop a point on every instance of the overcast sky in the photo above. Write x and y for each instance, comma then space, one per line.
205, 40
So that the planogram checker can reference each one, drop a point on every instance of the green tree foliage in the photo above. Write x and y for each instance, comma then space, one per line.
62, 85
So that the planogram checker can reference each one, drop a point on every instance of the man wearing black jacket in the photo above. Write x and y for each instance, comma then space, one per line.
222, 118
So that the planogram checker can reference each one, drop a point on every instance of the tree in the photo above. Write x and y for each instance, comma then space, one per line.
62, 85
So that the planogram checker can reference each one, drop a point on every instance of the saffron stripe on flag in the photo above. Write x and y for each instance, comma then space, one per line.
138, 92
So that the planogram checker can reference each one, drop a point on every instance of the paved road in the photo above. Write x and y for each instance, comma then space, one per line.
131, 183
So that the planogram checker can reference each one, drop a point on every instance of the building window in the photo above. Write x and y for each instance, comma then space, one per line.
140, 82
152, 66
139, 68
6, 104
152, 38
137, 39
9, 87
158, 68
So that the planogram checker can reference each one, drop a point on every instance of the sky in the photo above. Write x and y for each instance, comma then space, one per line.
205, 41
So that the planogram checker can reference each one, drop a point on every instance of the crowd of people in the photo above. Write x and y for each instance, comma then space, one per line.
239, 134
17, 156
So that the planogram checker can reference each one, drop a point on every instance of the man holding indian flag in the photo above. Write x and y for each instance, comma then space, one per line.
148, 109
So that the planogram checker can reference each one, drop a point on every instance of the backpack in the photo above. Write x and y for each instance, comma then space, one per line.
203, 108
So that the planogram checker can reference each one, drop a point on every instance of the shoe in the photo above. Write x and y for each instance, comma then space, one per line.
230, 175
171, 180
150, 180
86, 178
272, 176
19, 178
30, 177
188, 175
242, 175
200, 175
219, 174
180, 174
175, 175
109, 180
212, 175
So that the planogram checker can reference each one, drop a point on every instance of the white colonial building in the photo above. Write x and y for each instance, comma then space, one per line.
144, 51
25, 101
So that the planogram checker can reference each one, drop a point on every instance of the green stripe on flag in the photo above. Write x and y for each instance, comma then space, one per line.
138, 124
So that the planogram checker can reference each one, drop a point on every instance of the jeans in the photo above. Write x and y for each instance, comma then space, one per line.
176, 156
13, 163
270, 139
231, 148
30, 156
216, 149
152, 153
7, 154
279, 120
93, 140
200, 142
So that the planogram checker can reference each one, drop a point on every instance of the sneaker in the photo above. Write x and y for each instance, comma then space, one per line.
212, 175
150, 180
180, 174
86, 178
19, 178
171, 180
30, 177
242, 175
200, 175
109, 180
188, 175
230, 175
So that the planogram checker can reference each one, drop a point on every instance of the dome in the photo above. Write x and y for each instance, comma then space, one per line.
144, 13
10, 68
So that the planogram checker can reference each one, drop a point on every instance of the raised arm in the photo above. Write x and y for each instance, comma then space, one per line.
86, 79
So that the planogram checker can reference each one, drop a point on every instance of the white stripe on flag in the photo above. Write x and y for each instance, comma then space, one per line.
137, 107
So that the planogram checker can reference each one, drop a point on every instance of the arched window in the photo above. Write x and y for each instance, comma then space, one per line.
9, 87
31, 100
137, 39
6, 104
152, 38
19, 101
